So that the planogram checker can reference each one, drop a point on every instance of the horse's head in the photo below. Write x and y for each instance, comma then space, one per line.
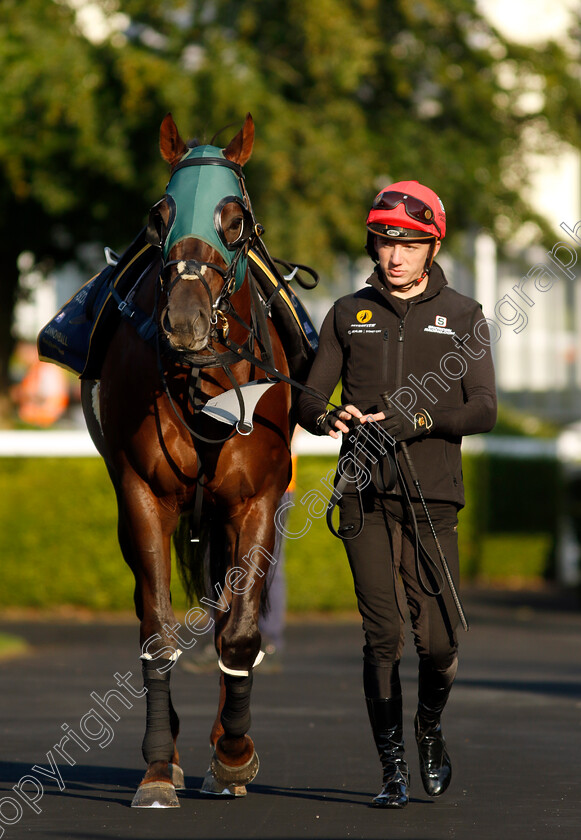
203, 225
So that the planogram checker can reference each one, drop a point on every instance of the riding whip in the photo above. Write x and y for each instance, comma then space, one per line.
414, 476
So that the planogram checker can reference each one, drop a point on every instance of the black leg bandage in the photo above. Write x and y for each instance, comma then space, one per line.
158, 742
236, 712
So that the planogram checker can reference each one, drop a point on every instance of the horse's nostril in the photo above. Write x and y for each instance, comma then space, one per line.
201, 325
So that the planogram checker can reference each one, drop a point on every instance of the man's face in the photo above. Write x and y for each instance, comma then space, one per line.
402, 262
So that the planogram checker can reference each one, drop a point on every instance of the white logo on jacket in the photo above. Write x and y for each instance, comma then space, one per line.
439, 326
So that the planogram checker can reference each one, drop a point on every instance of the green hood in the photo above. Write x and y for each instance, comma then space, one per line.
196, 190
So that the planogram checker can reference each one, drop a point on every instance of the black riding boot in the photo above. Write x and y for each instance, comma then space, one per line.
433, 690
385, 715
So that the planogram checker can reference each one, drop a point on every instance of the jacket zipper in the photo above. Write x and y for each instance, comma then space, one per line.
385, 358
400, 338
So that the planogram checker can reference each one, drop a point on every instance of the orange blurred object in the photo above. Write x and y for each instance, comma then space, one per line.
43, 394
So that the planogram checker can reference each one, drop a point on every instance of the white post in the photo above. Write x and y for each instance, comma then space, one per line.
485, 272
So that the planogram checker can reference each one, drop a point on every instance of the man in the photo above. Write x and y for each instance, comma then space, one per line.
413, 356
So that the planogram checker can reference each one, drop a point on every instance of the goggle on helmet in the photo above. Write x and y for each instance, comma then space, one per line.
406, 210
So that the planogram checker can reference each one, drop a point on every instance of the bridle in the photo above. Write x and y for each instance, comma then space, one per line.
257, 331
195, 269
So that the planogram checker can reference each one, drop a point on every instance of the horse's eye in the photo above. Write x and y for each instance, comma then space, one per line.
231, 222
234, 229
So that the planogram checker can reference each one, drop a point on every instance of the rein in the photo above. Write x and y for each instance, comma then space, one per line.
440, 576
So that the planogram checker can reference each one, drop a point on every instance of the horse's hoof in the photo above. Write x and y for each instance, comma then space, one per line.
212, 786
155, 795
177, 776
240, 775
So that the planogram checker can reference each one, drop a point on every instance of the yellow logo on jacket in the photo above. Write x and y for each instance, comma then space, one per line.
364, 316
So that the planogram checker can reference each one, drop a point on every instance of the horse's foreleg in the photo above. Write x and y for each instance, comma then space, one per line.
234, 761
146, 547
163, 775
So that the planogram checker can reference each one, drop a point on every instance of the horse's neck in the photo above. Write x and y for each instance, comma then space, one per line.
144, 292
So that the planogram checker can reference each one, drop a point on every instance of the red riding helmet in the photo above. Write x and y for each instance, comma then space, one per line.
406, 210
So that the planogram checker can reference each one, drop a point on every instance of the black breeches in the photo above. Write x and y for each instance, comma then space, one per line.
385, 574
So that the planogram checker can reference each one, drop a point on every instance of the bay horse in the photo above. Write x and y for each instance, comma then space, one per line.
166, 457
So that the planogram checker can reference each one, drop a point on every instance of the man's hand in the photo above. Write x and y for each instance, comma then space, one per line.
341, 419
400, 427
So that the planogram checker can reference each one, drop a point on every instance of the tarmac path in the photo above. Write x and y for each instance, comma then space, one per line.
513, 727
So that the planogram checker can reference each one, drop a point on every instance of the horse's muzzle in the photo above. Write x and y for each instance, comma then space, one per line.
186, 334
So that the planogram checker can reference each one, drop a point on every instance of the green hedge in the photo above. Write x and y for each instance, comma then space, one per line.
59, 546
58, 535
508, 528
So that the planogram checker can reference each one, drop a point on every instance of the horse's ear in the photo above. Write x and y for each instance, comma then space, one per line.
171, 145
239, 148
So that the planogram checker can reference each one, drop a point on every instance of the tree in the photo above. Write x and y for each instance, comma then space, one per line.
346, 95
78, 152
355, 94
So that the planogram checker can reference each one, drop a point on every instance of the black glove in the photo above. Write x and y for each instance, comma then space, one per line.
328, 421
399, 426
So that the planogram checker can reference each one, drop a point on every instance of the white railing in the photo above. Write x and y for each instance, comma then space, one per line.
77, 443
72, 443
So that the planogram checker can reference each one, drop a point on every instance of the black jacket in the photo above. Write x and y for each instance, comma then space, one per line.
431, 351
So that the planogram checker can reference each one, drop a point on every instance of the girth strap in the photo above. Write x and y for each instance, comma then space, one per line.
198, 502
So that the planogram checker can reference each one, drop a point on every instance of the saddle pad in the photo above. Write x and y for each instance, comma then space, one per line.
79, 334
